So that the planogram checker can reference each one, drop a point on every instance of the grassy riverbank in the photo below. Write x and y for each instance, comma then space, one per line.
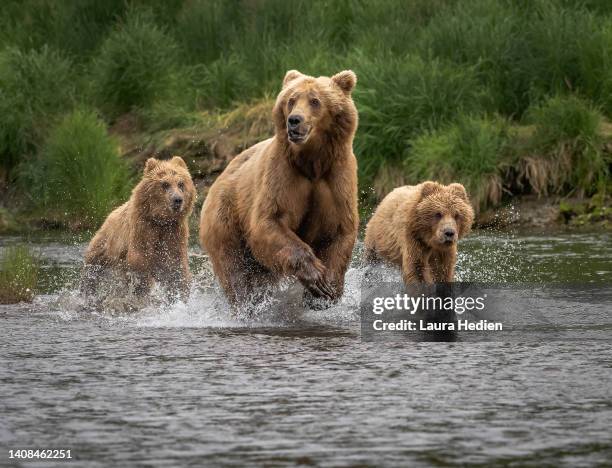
509, 98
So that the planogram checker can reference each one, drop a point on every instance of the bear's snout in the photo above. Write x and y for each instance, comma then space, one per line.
177, 202
446, 232
294, 121
297, 130
449, 234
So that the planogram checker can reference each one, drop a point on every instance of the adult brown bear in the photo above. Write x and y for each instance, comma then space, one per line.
287, 206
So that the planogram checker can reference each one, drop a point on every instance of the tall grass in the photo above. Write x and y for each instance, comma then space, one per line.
19, 270
488, 36
566, 152
470, 151
569, 51
80, 177
429, 72
74, 27
207, 28
526, 50
398, 98
35, 86
136, 65
221, 83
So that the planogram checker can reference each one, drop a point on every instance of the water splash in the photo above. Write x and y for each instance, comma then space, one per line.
484, 256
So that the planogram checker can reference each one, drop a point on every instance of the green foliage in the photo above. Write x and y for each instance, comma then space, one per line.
135, 66
19, 270
74, 27
220, 83
567, 134
524, 52
569, 50
428, 71
80, 177
470, 151
207, 28
563, 119
34, 87
488, 36
399, 97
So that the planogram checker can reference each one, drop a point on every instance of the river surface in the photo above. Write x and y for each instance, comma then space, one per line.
192, 384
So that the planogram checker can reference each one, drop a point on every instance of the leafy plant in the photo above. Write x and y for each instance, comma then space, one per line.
19, 270
80, 177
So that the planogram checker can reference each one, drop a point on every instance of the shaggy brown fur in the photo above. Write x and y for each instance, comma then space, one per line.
417, 228
288, 205
147, 236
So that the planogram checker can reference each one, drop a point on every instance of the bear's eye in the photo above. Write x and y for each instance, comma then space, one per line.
457, 216
438, 215
291, 102
181, 186
314, 102
165, 185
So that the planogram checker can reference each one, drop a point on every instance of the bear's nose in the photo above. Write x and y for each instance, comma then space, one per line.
177, 201
449, 233
294, 120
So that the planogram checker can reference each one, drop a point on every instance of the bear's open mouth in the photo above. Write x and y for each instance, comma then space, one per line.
297, 137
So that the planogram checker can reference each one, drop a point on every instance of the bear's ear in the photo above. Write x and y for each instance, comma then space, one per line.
458, 190
178, 161
429, 187
346, 80
290, 76
151, 164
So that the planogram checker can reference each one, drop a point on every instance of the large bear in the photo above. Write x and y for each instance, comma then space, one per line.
147, 236
417, 228
287, 206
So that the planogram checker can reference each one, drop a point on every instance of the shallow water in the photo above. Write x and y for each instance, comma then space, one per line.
191, 384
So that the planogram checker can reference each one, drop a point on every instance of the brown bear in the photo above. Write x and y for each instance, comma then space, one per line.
147, 236
287, 206
417, 228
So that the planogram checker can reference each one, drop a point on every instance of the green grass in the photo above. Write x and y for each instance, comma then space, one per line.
488, 36
135, 67
19, 269
205, 28
428, 71
398, 98
35, 86
563, 119
470, 151
221, 83
75, 27
80, 176
568, 141
526, 51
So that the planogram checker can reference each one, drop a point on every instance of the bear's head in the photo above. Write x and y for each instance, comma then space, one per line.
315, 111
443, 214
166, 192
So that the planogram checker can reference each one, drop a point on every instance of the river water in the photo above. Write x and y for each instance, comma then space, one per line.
193, 385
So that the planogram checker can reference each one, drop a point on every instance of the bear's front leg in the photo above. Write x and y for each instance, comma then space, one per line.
336, 257
279, 249
415, 265
443, 265
138, 266
172, 267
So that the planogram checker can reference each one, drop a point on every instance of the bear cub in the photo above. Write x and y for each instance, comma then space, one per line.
417, 228
147, 236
